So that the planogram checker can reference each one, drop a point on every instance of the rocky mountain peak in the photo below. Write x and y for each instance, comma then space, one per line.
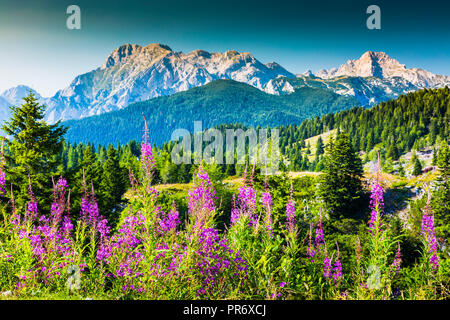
125, 52
380, 65
14, 95
370, 64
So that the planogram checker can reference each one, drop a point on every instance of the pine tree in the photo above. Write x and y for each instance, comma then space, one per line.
413, 157
417, 170
392, 152
435, 157
319, 147
112, 185
341, 185
441, 195
34, 147
401, 170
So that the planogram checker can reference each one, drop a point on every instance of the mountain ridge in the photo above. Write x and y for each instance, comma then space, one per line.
218, 102
133, 73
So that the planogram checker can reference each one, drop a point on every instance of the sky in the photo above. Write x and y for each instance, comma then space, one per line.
38, 50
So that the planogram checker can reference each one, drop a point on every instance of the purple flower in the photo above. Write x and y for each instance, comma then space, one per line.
168, 222
377, 208
319, 239
429, 234
246, 205
201, 199
214, 257
327, 268
310, 253
397, 260
337, 271
290, 217
61, 185
147, 159
267, 204
2, 182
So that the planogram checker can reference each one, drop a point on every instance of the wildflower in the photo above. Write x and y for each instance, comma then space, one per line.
2, 173
2, 182
429, 234
377, 208
147, 159
337, 274
31, 211
397, 260
234, 212
337, 269
327, 268
214, 257
61, 185
319, 239
247, 203
168, 222
201, 198
267, 204
290, 213
310, 252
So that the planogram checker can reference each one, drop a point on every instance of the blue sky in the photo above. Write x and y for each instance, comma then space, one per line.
39, 51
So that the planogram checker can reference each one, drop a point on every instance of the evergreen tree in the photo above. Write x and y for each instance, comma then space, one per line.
435, 157
34, 147
341, 185
441, 195
413, 158
392, 152
319, 147
401, 170
417, 169
112, 186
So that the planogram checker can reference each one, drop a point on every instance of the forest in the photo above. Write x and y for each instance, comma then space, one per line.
123, 222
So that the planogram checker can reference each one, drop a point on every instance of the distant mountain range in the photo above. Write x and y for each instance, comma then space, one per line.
133, 73
218, 102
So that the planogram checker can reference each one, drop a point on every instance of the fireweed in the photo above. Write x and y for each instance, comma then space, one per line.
379, 272
201, 199
291, 224
152, 254
323, 265
429, 236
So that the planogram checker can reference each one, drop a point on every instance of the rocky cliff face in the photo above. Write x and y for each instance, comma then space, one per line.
373, 78
134, 73
380, 65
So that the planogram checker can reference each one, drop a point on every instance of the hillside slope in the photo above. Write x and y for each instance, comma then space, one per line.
219, 102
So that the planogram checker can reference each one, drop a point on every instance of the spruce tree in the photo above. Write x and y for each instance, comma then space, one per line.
34, 147
393, 152
435, 157
341, 185
112, 185
417, 170
441, 195
319, 147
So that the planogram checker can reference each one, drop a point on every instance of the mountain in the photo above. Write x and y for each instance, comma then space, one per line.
134, 73
368, 91
219, 102
373, 78
13, 97
380, 65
